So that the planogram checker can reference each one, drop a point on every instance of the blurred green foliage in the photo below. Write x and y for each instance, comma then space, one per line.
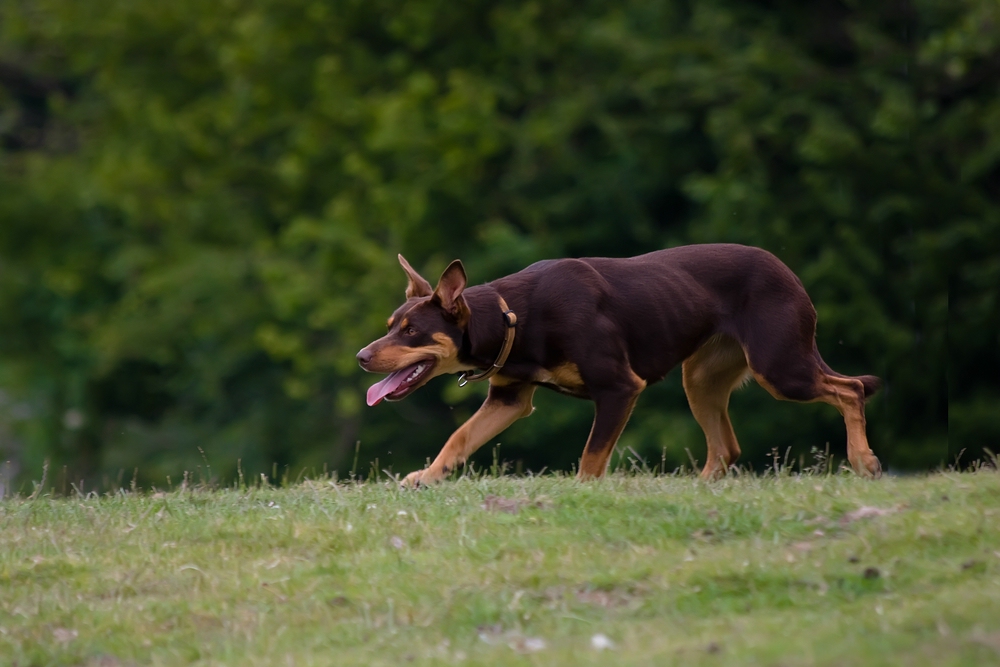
201, 203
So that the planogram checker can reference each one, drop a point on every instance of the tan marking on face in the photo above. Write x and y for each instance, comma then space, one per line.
446, 354
405, 323
388, 323
389, 358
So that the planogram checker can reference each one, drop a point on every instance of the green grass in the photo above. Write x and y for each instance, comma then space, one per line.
493, 571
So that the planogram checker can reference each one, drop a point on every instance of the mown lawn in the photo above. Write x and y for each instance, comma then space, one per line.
786, 570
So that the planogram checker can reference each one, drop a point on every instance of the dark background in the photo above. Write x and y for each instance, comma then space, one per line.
201, 204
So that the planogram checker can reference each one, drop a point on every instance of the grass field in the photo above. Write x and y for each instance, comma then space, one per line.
630, 570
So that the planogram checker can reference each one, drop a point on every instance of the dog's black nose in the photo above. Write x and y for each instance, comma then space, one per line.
364, 356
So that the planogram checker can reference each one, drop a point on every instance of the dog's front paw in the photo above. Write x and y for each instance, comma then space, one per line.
867, 465
421, 478
412, 481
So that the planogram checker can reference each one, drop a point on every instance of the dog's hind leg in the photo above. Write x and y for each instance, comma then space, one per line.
785, 361
613, 407
505, 404
710, 376
847, 394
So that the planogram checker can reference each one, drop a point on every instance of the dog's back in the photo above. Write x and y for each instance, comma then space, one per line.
663, 305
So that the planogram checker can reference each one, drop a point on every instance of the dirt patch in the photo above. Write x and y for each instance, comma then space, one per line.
610, 598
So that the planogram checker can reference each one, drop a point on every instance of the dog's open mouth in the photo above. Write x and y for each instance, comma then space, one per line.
399, 383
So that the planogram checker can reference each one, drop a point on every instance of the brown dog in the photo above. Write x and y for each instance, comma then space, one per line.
603, 329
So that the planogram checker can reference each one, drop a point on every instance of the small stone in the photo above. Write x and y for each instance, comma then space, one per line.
532, 644
62, 635
601, 642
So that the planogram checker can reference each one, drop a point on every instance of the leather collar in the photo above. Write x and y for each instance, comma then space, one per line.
508, 341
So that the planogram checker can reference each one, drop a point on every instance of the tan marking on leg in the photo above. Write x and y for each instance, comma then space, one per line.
595, 463
566, 375
492, 417
768, 387
502, 381
709, 376
609, 421
847, 395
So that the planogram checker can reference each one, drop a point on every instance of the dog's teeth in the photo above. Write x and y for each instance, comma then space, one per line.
416, 372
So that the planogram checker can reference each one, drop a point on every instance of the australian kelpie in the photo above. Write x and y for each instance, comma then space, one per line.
603, 329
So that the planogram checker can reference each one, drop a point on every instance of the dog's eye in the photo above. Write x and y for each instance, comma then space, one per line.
410, 331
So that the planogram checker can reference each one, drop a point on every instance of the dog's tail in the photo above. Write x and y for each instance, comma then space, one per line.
871, 383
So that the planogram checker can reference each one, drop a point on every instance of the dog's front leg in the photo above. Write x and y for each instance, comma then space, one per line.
612, 410
505, 404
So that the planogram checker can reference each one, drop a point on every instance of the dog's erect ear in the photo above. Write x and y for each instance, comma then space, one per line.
418, 285
448, 292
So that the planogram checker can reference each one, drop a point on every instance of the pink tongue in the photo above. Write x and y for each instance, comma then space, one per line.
383, 388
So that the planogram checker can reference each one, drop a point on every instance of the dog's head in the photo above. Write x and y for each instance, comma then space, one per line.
424, 338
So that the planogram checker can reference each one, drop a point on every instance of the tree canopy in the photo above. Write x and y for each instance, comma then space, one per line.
201, 205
